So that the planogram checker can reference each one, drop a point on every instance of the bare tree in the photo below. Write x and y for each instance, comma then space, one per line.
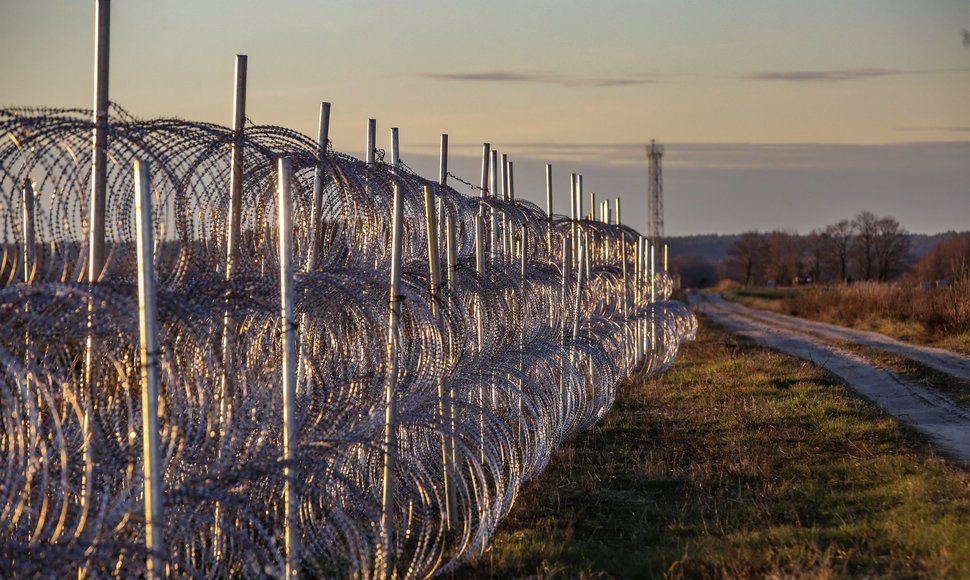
838, 242
784, 253
745, 259
816, 245
890, 248
866, 229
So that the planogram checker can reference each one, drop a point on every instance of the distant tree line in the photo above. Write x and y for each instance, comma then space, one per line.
865, 248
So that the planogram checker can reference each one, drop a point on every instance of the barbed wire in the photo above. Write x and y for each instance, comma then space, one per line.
463, 182
495, 368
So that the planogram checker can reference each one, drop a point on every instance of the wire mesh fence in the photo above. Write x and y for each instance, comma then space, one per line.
496, 363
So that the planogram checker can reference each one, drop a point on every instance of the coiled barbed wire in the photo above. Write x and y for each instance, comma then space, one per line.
522, 359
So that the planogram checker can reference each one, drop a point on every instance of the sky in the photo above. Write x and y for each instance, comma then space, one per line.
773, 114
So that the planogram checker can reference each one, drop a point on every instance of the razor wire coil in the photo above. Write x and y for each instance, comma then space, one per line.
494, 368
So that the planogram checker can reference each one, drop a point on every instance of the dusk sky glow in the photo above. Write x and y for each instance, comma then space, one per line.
774, 114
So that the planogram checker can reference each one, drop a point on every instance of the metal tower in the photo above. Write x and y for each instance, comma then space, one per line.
655, 225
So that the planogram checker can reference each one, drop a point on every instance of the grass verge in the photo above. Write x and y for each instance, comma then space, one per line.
738, 462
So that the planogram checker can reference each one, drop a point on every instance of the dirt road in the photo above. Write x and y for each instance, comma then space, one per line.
947, 424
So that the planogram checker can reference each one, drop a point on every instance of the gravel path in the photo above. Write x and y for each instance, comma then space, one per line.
947, 424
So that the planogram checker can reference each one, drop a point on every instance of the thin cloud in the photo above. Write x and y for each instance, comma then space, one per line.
543, 78
941, 129
851, 74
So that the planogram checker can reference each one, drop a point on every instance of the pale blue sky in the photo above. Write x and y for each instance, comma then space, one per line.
580, 84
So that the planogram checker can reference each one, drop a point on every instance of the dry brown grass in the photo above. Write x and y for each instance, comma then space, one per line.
938, 316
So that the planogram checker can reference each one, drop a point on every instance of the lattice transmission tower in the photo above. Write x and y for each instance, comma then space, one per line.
655, 225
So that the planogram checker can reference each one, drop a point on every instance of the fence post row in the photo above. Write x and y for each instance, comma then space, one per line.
497, 182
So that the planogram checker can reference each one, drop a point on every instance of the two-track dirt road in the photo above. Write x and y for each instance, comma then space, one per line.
946, 423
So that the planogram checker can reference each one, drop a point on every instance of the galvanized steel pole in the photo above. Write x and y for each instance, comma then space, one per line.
549, 191
323, 139
288, 324
434, 261
371, 141
99, 164
148, 335
28, 211
443, 164
395, 147
236, 169
390, 421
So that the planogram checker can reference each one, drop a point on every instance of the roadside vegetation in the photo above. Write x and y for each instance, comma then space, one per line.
738, 462
928, 303
939, 316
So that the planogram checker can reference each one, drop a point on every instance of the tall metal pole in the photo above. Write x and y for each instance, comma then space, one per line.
485, 149
487, 155
567, 264
395, 147
577, 237
549, 209
434, 260
236, 175
496, 188
549, 191
505, 178
443, 165
390, 421
148, 335
579, 197
96, 220
511, 179
653, 298
572, 197
507, 222
480, 323
28, 207
452, 257
288, 324
371, 141
99, 170
523, 264
655, 225
323, 139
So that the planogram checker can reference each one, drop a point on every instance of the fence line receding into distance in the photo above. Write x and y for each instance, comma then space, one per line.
512, 335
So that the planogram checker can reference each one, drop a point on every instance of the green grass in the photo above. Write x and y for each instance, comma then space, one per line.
738, 462
957, 390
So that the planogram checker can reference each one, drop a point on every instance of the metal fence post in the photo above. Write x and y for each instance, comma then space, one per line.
390, 420
236, 173
323, 140
148, 335
28, 212
288, 324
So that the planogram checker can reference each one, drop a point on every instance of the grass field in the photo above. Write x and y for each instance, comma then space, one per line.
738, 462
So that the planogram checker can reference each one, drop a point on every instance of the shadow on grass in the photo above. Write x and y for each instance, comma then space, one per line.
738, 462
